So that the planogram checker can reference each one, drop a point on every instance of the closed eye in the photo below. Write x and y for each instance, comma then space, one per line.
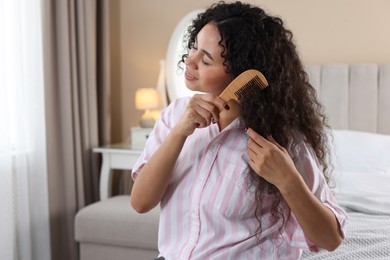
205, 53
195, 47
204, 62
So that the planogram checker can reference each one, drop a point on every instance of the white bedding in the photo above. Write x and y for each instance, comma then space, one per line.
361, 151
364, 192
362, 172
367, 238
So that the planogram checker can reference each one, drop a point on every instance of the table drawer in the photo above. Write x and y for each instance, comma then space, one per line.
123, 161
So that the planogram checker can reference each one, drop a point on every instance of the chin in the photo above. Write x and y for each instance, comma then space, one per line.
190, 86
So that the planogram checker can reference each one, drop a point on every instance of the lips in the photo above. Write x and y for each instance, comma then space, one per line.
188, 76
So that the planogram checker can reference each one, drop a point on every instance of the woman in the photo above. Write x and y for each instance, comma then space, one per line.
240, 182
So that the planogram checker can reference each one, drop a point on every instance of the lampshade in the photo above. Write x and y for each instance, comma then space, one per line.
147, 98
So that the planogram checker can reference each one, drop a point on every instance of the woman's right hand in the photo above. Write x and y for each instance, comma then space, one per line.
201, 111
154, 177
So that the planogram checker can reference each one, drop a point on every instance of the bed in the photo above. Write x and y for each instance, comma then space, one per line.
357, 101
356, 98
363, 177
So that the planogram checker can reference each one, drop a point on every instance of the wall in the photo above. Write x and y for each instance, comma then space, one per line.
326, 31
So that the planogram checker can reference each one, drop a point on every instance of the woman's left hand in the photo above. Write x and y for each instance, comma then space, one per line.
270, 160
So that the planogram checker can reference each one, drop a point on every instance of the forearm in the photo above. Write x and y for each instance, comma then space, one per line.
317, 221
152, 181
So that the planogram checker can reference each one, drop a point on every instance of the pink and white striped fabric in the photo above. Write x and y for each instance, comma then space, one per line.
207, 211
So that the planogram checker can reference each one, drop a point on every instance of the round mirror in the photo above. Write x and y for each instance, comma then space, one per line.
174, 75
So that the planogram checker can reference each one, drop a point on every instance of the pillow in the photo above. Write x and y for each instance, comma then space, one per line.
362, 171
355, 151
366, 192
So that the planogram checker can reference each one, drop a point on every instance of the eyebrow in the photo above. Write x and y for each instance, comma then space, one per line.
203, 50
207, 54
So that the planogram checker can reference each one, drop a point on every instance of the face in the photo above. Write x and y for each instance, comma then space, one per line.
205, 71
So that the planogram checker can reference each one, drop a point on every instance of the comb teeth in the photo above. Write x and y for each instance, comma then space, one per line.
253, 87
247, 84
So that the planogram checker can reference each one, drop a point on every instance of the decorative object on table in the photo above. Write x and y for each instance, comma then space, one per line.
147, 99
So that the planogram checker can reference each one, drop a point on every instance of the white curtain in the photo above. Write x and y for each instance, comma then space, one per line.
24, 218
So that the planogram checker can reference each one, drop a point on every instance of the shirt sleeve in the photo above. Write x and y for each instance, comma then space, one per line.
307, 164
168, 118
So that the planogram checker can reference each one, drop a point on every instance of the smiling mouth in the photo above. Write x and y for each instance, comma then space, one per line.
188, 76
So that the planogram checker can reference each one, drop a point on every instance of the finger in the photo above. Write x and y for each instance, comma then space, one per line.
200, 122
196, 120
252, 154
255, 167
199, 107
209, 110
217, 101
205, 101
253, 146
272, 140
257, 138
204, 113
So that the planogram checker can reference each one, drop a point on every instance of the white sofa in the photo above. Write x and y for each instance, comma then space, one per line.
111, 229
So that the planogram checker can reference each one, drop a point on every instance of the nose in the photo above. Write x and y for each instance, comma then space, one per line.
191, 60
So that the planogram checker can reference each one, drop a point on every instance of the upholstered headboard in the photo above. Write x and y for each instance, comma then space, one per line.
355, 97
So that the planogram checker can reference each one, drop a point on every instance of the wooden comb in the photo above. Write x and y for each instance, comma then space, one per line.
250, 82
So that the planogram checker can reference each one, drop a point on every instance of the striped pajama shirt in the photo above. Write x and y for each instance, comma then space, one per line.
207, 211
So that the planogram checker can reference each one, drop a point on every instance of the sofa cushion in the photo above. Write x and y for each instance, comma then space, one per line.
114, 222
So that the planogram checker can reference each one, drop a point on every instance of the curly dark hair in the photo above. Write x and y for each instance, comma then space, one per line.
253, 39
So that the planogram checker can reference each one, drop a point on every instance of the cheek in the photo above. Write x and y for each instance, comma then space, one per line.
218, 81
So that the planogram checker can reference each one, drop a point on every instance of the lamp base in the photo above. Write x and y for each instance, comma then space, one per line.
147, 120
147, 123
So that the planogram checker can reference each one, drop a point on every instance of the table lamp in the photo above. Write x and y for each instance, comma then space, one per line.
147, 99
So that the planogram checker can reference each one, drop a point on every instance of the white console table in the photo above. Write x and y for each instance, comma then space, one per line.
118, 156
